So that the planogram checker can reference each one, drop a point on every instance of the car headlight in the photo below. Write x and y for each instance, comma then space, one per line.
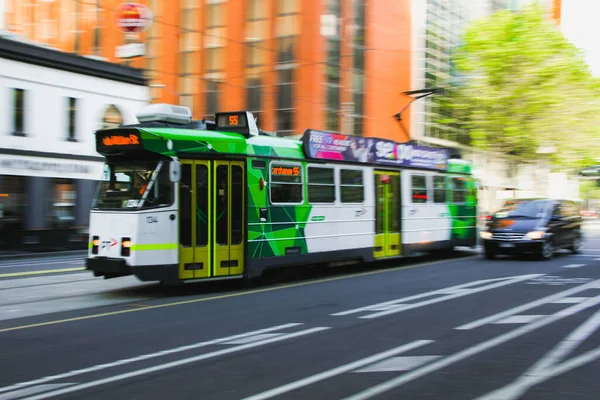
485, 234
536, 235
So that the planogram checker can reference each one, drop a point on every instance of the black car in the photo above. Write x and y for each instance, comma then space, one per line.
539, 226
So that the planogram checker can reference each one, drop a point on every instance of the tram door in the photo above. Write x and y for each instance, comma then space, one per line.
387, 210
211, 219
228, 221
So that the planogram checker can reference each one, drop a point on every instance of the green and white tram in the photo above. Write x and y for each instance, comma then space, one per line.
185, 200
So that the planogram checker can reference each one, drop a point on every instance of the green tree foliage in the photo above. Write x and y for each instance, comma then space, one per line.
523, 87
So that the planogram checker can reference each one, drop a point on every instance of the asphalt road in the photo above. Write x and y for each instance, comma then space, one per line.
465, 328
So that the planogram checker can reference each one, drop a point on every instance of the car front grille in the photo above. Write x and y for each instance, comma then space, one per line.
508, 236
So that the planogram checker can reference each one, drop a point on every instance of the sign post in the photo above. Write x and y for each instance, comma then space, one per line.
132, 19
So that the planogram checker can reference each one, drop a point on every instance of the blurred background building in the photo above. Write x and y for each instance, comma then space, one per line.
331, 64
51, 103
338, 65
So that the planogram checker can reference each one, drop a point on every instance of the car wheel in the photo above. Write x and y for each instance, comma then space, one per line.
576, 246
547, 251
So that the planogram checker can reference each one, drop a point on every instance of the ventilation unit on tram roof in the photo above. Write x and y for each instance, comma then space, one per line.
167, 113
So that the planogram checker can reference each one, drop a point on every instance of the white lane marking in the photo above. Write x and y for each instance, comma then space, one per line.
552, 280
570, 300
177, 363
596, 259
573, 265
539, 371
338, 370
471, 351
32, 390
519, 319
145, 357
395, 306
549, 299
254, 338
397, 364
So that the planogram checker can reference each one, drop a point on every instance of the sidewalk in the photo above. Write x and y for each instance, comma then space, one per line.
9, 255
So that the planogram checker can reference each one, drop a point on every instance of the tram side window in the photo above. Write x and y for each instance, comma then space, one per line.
352, 186
321, 185
286, 183
439, 189
419, 189
459, 190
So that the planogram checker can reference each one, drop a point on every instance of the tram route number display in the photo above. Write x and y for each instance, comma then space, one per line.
232, 120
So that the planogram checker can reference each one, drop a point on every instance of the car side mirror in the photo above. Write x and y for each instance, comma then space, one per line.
174, 171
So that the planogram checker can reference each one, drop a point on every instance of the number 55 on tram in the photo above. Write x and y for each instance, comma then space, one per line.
184, 201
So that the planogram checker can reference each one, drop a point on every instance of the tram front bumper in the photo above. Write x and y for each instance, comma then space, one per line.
108, 267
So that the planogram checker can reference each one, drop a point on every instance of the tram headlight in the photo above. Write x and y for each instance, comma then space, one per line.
95, 244
125, 247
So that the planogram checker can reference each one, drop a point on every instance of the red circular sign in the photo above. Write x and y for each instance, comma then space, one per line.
133, 17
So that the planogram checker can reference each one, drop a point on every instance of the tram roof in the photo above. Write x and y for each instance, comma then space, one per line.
177, 141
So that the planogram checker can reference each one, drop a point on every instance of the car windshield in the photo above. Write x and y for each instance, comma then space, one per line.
134, 185
523, 209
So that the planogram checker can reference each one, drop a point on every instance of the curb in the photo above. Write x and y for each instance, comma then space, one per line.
40, 254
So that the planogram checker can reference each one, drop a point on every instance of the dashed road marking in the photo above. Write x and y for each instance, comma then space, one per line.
449, 293
177, 363
573, 266
552, 363
515, 310
147, 356
397, 364
337, 371
18, 394
477, 349
519, 319
570, 300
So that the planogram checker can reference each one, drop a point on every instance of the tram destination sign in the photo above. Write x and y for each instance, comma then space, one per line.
118, 139
338, 147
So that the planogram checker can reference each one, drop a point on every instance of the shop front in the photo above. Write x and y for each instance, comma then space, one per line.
45, 200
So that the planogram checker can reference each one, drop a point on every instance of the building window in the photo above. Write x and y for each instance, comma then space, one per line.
286, 183
215, 36
287, 31
13, 210
71, 119
256, 54
18, 112
112, 118
212, 97
332, 69
321, 185
352, 186
63, 203
358, 78
443, 28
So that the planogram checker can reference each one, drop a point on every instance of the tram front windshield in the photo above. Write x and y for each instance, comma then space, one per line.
130, 185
